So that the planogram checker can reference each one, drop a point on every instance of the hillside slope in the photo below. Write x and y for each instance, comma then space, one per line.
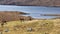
31, 2
13, 16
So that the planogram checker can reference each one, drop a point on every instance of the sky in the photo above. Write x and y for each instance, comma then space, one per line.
34, 11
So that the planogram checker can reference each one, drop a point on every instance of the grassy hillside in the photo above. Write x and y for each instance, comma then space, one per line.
51, 26
6, 16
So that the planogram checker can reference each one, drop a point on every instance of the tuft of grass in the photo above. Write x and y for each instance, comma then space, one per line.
13, 23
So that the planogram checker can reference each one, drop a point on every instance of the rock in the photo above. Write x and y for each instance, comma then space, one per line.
6, 30
29, 29
16, 28
0, 32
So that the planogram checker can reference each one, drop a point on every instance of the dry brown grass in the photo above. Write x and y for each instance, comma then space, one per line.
38, 27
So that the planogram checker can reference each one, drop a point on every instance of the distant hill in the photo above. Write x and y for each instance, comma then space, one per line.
31, 2
50, 14
56, 18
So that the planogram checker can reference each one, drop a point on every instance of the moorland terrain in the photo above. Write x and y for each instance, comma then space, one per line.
12, 24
